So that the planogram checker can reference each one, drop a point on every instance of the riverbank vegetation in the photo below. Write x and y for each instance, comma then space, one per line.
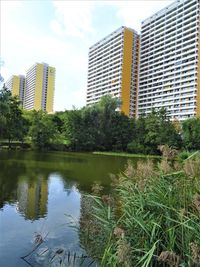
95, 128
152, 217
127, 155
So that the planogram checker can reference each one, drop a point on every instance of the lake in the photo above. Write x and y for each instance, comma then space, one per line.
41, 195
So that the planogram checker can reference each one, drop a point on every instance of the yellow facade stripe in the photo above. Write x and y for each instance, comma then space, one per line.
137, 86
31, 208
198, 80
43, 197
126, 71
50, 89
38, 86
15, 85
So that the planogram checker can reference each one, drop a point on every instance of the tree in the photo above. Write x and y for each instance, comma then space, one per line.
160, 131
16, 125
13, 126
72, 129
107, 109
58, 121
191, 133
137, 145
5, 96
42, 130
121, 131
91, 131
153, 130
98, 127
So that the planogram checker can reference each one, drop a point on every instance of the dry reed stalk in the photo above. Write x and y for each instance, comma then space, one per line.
167, 151
192, 168
130, 170
195, 250
196, 201
96, 189
108, 200
177, 166
165, 167
169, 257
119, 232
183, 212
145, 169
124, 252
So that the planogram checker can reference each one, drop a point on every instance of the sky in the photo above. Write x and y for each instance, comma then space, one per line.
60, 33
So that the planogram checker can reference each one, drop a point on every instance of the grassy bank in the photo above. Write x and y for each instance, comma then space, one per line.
151, 219
128, 155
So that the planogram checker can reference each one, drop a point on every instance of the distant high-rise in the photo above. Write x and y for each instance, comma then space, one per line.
16, 85
39, 88
170, 61
113, 69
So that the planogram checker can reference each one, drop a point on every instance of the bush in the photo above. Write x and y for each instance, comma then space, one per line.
135, 147
191, 134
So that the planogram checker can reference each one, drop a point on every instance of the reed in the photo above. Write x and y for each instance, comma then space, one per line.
153, 218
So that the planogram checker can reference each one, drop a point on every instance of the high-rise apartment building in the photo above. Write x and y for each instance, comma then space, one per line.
113, 69
16, 85
39, 88
170, 61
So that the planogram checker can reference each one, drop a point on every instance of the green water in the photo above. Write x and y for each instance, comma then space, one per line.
42, 193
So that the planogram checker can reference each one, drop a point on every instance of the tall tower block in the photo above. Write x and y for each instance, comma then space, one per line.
113, 69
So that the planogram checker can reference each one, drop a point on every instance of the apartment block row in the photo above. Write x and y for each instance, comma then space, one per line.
36, 89
158, 68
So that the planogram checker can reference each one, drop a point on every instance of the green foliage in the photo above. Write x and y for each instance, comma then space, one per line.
92, 220
121, 132
136, 147
154, 130
160, 131
42, 130
72, 129
99, 127
58, 121
186, 154
154, 218
13, 125
5, 96
191, 134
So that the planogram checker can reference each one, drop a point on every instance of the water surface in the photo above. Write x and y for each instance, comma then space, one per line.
41, 193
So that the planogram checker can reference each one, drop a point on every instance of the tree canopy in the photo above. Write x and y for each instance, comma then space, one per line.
98, 127
13, 126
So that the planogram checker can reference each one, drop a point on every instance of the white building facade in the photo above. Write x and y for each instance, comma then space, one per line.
113, 69
170, 61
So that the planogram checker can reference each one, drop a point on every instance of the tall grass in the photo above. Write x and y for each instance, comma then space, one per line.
152, 218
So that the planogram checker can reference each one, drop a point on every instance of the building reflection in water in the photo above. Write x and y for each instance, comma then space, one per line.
32, 198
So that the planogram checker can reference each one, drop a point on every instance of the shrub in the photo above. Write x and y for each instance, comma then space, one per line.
135, 147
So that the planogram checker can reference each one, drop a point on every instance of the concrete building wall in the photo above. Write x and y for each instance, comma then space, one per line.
112, 65
169, 61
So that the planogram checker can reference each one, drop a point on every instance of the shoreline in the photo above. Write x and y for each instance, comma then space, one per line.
124, 154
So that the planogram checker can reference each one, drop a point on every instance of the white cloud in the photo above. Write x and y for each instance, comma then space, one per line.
132, 13
56, 27
10, 6
73, 18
